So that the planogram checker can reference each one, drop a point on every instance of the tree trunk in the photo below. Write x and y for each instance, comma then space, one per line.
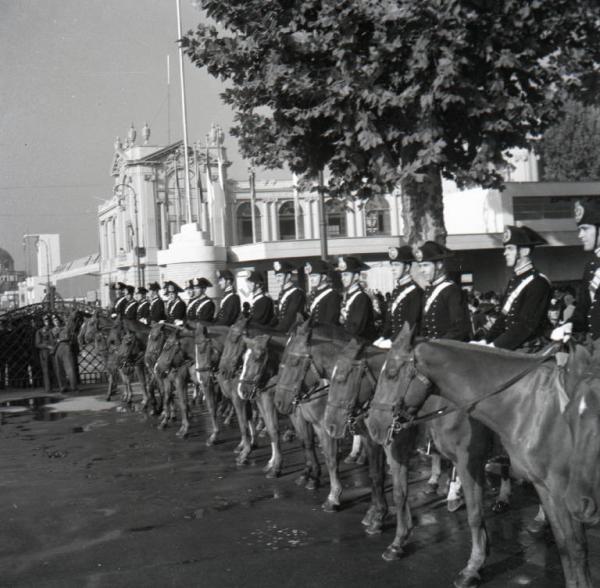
423, 208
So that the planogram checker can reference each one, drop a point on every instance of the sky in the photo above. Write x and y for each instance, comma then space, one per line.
74, 75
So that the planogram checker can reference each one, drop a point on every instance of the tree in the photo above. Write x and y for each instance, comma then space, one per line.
395, 92
570, 149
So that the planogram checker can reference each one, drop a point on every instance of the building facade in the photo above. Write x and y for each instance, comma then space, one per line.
150, 230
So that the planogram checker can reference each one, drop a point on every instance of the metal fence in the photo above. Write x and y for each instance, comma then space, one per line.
19, 360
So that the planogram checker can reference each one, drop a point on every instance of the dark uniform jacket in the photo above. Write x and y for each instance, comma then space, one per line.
119, 307
230, 308
205, 309
130, 311
523, 310
261, 310
405, 307
157, 310
586, 317
324, 306
291, 301
143, 311
444, 313
176, 310
357, 314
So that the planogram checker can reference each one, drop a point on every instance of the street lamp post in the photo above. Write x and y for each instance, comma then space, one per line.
118, 191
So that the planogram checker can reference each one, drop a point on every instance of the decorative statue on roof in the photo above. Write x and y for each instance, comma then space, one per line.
131, 135
146, 133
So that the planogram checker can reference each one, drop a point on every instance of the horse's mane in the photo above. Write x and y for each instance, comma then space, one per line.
333, 333
501, 354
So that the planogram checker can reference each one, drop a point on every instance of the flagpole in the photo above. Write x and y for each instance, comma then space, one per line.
188, 196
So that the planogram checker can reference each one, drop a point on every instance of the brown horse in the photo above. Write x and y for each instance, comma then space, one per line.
520, 398
462, 440
352, 386
583, 416
301, 393
130, 359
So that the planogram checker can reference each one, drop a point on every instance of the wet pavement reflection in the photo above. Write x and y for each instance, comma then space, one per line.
94, 495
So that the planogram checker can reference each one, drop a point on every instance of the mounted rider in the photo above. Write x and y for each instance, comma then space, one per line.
231, 305
525, 302
261, 305
357, 315
291, 299
118, 308
130, 311
175, 305
407, 298
157, 306
143, 308
324, 303
586, 316
444, 313
202, 308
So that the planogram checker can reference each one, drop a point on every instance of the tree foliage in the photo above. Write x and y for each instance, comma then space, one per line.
388, 92
570, 149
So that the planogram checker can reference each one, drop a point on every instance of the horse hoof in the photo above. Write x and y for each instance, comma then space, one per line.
329, 506
162, 426
241, 461
211, 440
301, 480
464, 580
393, 553
456, 504
361, 459
182, 434
368, 518
431, 489
311, 484
500, 506
350, 458
273, 473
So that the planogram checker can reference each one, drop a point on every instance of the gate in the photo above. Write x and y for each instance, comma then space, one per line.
19, 359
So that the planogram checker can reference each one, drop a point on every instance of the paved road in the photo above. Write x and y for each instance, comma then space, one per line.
100, 498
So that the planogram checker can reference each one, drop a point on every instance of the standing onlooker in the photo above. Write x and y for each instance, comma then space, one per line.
44, 343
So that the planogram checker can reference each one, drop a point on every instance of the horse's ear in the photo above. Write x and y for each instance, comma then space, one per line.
404, 338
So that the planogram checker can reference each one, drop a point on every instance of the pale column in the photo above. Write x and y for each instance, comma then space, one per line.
274, 225
264, 221
354, 221
314, 218
307, 219
395, 223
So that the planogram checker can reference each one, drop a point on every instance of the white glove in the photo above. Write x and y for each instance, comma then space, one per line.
383, 343
482, 342
178, 322
562, 333
113, 315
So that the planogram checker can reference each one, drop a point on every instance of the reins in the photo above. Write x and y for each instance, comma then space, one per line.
398, 425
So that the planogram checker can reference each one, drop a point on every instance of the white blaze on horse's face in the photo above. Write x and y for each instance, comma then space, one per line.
587, 236
582, 406
247, 355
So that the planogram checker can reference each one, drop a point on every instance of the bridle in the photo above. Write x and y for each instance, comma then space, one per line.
258, 382
297, 390
353, 409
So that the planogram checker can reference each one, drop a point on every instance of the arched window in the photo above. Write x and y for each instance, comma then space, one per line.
336, 219
244, 223
287, 221
377, 217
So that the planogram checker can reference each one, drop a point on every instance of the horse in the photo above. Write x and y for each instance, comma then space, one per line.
301, 393
583, 413
130, 359
519, 396
464, 441
352, 384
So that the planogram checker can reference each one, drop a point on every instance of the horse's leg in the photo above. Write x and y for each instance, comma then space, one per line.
397, 454
355, 451
181, 379
378, 508
266, 406
127, 393
111, 384
539, 524
570, 538
141, 374
329, 447
240, 407
471, 470
166, 390
208, 388
436, 471
311, 473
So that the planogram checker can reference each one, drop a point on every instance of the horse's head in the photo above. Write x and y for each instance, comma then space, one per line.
347, 389
233, 349
127, 347
168, 355
207, 354
399, 387
294, 370
254, 368
583, 415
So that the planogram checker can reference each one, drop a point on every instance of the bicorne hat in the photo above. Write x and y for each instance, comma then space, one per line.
154, 286
256, 277
225, 274
351, 264
402, 254
432, 251
318, 266
283, 267
171, 286
587, 212
119, 286
202, 283
130, 289
141, 290
522, 237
